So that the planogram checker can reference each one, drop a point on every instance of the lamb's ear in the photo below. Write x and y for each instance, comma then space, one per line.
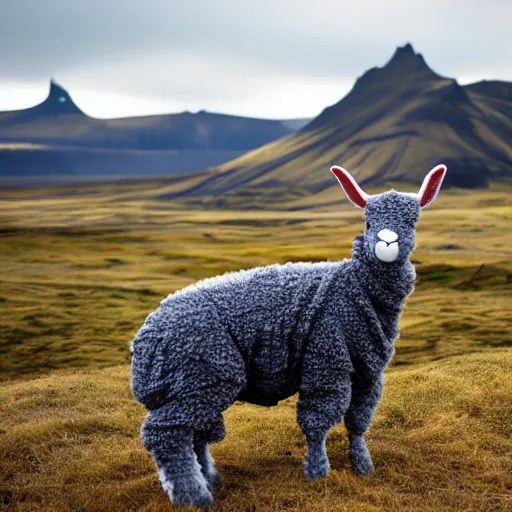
354, 192
431, 185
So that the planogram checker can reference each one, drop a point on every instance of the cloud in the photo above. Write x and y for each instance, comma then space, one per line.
232, 51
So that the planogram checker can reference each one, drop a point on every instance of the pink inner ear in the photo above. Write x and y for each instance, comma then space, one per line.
432, 186
349, 185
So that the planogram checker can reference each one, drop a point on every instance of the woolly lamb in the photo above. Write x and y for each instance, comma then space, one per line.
324, 330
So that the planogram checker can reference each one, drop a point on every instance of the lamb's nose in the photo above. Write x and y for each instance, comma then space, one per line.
387, 235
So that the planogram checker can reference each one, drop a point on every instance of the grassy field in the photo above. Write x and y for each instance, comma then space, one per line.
81, 269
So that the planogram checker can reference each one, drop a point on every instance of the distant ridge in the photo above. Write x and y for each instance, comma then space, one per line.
493, 89
396, 123
67, 134
58, 120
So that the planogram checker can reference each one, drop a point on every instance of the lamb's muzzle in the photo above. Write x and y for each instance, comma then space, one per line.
387, 235
386, 249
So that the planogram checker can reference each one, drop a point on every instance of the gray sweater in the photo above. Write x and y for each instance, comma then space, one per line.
269, 332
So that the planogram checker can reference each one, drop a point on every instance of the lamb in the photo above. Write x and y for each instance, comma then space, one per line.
324, 330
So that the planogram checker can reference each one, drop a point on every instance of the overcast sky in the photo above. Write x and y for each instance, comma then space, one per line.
264, 58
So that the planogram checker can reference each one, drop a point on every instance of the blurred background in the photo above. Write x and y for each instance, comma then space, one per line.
101, 90
145, 146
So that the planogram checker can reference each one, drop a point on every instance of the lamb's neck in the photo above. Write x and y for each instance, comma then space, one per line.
388, 284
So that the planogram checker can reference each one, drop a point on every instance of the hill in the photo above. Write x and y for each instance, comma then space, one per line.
395, 124
76, 143
441, 441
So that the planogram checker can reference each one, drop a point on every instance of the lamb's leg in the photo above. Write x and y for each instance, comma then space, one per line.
317, 411
178, 468
202, 438
366, 396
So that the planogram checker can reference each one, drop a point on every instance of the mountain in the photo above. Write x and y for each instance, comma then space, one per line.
396, 123
57, 105
64, 140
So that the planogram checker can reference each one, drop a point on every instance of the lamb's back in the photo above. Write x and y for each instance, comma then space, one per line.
255, 303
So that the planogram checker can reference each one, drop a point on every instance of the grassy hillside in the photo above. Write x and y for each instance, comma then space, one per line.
81, 268
441, 441
79, 273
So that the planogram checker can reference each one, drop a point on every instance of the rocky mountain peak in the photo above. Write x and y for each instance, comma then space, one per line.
405, 63
59, 101
405, 60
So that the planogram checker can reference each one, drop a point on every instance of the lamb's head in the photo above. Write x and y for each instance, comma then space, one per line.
391, 217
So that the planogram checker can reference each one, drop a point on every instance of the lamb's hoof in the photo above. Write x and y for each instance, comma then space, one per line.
188, 491
315, 469
362, 467
360, 457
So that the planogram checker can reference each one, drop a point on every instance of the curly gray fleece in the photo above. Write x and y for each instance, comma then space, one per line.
324, 330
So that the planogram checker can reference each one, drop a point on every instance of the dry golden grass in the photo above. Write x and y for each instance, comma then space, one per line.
79, 274
442, 440
80, 271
